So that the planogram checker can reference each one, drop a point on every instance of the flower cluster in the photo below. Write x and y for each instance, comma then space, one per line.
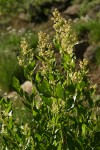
26, 55
46, 52
64, 34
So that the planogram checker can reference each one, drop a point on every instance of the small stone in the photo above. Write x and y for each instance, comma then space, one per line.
27, 87
72, 10
90, 53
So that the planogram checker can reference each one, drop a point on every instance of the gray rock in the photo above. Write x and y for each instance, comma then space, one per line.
24, 16
27, 87
12, 95
72, 10
90, 53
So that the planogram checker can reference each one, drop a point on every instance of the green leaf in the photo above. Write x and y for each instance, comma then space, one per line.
34, 113
47, 100
81, 85
59, 146
38, 137
16, 84
78, 144
59, 91
51, 77
29, 98
56, 44
28, 106
82, 110
38, 77
44, 88
31, 66
66, 61
40, 58
83, 129
66, 58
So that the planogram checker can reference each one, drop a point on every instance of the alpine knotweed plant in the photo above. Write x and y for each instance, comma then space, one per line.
61, 103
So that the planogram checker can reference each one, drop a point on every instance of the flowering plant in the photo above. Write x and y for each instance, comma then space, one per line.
62, 101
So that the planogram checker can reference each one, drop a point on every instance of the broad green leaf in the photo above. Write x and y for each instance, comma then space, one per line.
55, 143
83, 129
47, 100
34, 112
38, 77
66, 58
51, 77
66, 61
59, 146
38, 137
44, 88
59, 91
82, 110
81, 85
80, 118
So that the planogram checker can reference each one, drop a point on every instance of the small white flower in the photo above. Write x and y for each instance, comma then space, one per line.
10, 113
